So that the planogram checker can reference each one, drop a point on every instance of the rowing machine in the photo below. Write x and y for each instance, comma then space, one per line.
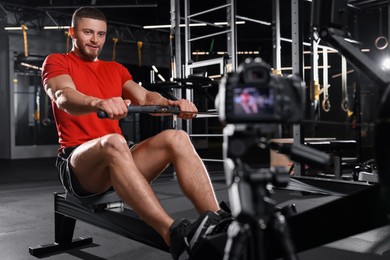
103, 210
107, 211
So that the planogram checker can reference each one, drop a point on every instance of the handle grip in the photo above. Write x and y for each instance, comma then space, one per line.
146, 109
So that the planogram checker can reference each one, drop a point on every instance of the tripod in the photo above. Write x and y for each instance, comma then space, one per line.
257, 219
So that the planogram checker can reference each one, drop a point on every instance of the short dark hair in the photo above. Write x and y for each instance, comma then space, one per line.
87, 12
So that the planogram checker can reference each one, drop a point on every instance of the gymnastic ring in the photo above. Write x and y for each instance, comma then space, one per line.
378, 40
326, 105
345, 105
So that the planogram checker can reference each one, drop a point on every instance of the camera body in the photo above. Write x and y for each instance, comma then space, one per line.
254, 95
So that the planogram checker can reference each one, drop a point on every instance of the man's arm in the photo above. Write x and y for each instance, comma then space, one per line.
141, 96
63, 92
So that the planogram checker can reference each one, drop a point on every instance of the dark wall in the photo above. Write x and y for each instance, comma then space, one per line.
4, 94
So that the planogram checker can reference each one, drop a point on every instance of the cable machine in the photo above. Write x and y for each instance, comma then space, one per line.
184, 69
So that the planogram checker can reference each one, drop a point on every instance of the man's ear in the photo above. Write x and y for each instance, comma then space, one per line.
71, 32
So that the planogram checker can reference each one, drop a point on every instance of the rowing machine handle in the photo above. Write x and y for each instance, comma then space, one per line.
146, 109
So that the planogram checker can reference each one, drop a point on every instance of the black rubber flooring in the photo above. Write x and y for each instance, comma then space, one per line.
27, 219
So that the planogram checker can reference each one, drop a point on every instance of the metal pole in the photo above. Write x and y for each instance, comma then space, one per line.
175, 39
176, 61
297, 65
276, 47
232, 36
187, 36
276, 35
188, 92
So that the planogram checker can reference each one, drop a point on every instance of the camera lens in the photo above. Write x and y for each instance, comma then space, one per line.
257, 75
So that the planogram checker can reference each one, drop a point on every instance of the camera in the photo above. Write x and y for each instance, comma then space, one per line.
253, 94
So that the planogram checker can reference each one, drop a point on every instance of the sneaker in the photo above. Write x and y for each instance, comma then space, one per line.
185, 237
223, 225
224, 214
178, 232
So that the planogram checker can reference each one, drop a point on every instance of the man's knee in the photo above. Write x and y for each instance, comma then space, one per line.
113, 143
178, 139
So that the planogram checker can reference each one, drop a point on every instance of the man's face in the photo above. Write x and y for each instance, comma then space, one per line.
88, 37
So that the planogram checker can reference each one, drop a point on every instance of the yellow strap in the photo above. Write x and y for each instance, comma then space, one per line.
139, 44
276, 72
37, 116
115, 40
24, 30
316, 90
67, 34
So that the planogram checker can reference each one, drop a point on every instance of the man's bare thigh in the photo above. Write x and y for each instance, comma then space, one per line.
150, 157
90, 168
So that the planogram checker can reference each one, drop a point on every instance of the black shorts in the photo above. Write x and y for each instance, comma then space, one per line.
67, 177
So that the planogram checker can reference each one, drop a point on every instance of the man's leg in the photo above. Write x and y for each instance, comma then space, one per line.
107, 161
172, 146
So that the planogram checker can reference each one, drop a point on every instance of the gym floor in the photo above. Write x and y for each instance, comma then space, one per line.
27, 219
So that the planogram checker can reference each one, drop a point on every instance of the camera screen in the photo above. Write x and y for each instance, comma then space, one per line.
253, 102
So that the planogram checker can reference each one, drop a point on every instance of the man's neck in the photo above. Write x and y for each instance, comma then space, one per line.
79, 54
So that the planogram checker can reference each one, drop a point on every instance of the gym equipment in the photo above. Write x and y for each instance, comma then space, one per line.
98, 210
366, 171
103, 210
257, 219
107, 211
155, 110
352, 214
330, 20
198, 84
265, 232
146, 109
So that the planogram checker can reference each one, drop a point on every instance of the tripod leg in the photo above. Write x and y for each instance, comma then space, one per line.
283, 233
236, 242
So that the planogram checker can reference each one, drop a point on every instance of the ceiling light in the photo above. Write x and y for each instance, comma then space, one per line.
253, 20
11, 28
225, 23
57, 27
162, 26
223, 53
97, 6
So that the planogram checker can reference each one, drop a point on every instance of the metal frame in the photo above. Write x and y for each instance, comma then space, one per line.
231, 32
184, 70
121, 220
231, 62
68, 209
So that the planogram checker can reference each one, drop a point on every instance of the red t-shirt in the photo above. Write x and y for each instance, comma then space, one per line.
102, 79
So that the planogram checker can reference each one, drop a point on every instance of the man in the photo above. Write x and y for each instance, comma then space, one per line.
93, 154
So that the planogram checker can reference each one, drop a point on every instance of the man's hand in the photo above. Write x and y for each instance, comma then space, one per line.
115, 108
189, 109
